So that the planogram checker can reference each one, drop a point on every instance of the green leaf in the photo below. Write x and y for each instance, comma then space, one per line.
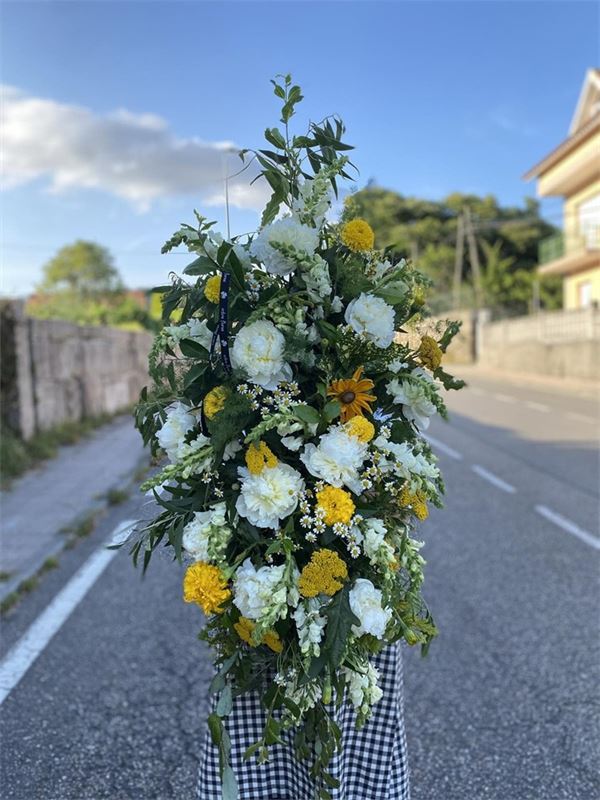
200, 266
229, 786
275, 137
225, 703
192, 349
393, 294
196, 371
332, 410
340, 620
215, 726
307, 414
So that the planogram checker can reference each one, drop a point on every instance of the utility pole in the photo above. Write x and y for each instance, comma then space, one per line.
474, 259
458, 261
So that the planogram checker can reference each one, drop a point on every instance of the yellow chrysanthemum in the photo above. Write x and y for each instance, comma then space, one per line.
352, 395
337, 505
259, 456
205, 585
415, 501
214, 401
358, 235
324, 574
429, 352
212, 289
361, 428
245, 627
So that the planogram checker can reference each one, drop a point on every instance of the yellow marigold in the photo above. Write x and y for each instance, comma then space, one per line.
212, 289
259, 456
205, 584
358, 235
336, 503
430, 353
214, 401
415, 501
324, 574
361, 428
245, 627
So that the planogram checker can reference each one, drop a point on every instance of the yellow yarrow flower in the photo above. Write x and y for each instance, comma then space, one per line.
361, 428
212, 289
205, 585
336, 503
324, 574
214, 401
358, 235
244, 628
430, 352
415, 501
259, 456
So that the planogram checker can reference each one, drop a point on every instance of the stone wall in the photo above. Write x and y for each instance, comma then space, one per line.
55, 371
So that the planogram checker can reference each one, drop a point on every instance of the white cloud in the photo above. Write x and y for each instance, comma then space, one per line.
133, 156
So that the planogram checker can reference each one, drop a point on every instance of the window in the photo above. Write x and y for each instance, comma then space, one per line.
589, 222
584, 292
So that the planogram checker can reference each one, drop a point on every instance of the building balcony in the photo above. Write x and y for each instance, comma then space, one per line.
564, 255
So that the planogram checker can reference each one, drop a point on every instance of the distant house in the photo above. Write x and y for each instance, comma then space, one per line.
572, 170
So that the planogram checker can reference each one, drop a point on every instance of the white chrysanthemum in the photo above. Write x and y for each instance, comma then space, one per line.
416, 405
372, 317
270, 496
256, 591
336, 459
171, 436
366, 604
287, 231
206, 536
258, 350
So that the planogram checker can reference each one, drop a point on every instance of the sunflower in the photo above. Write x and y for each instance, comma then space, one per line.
352, 395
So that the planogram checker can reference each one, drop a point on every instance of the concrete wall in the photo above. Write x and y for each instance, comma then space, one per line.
54, 371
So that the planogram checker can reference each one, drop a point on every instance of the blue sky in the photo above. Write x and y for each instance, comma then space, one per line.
118, 112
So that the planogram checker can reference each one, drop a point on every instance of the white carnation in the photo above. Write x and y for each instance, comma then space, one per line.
365, 602
256, 591
416, 405
336, 459
286, 231
372, 317
171, 437
258, 350
270, 496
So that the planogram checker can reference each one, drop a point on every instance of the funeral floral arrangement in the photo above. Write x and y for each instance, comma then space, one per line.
291, 389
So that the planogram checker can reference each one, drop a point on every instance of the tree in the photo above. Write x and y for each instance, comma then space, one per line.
426, 230
84, 268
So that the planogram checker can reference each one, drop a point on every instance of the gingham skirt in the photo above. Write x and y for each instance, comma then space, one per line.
371, 766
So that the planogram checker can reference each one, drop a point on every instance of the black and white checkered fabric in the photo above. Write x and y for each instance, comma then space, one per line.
372, 765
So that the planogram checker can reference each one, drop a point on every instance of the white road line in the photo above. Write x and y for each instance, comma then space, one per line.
582, 417
38, 635
568, 526
537, 406
505, 398
493, 479
443, 448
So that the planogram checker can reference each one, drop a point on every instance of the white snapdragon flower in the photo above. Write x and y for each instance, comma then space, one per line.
258, 350
317, 279
403, 461
199, 331
171, 437
206, 536
372, 317
270, 496
375, 547
286, 231
256, 591
336, 304
310, 624
365, 602
397, 366
363, 687
416, 405
336, 459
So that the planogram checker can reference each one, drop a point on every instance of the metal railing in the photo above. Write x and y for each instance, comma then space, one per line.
549, 327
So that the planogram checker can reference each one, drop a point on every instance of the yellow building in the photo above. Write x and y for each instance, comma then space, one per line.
572, 171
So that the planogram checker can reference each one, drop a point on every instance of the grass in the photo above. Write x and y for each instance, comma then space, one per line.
115, 497
5, 576
18, 455
28, 585
81, 528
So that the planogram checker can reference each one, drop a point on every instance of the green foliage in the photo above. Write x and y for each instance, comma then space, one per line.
426, 231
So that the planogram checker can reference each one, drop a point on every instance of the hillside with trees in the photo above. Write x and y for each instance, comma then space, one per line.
506, 240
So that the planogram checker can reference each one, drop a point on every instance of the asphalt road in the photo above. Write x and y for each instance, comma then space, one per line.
505, 706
